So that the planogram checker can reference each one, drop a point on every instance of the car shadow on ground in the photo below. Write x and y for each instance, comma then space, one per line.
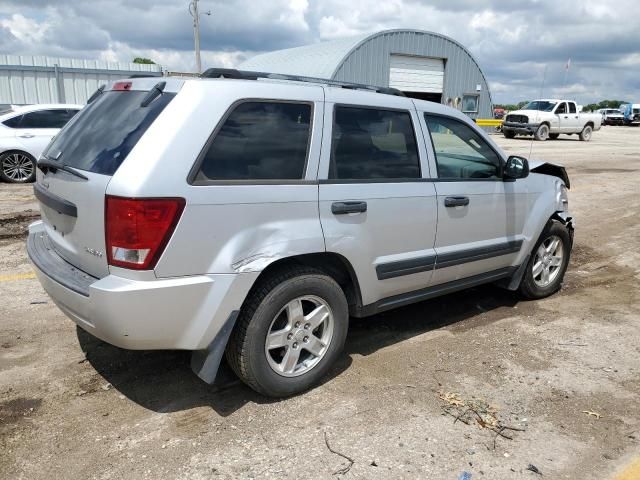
162, 381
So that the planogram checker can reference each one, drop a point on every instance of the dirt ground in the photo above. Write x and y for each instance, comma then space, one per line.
562, 373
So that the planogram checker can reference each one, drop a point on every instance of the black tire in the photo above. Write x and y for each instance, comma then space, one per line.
585, 134
554, 136
542, 133
529, 288
9, 174
246, 348
509, 133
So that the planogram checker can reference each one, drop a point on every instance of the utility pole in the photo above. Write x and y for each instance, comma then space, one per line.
193, 10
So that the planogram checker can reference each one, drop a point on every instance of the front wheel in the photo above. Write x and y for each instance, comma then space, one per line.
509, 133
290, 331
548, 262
542, 133
17, 167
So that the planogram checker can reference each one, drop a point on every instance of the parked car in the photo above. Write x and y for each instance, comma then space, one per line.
252, 216
546, 119
631, 112
25, 131
611, 116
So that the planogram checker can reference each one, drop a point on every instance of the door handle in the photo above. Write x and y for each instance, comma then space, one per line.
27, 135
343, 208
566, 116
456, 201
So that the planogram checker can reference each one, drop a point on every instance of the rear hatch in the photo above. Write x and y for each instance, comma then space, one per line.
75, 169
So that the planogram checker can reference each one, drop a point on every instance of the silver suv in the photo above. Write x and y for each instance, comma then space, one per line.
252, 215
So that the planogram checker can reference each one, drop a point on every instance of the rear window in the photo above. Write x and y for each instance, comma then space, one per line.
13, 122
100, 137
261, 140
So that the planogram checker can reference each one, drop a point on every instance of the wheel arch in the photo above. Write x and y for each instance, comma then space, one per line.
16, 150
331, 263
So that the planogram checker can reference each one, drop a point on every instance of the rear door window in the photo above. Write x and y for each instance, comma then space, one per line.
13, 122
260, 140
103, 133
371, 143
54, 118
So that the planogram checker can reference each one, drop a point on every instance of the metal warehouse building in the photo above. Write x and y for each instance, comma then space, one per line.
422, 64
27, 80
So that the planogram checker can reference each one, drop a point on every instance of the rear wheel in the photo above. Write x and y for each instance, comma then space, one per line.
290, 331
548, 262
509, 133
542, 133
17, 167
554, 136
585, 134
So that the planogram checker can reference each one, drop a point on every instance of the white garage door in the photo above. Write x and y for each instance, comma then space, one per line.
416, 74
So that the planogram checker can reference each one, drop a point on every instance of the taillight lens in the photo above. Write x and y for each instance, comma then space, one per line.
122, 86
138, 229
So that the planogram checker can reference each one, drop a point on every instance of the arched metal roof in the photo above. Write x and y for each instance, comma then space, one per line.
318, 60
324, 59
366, 59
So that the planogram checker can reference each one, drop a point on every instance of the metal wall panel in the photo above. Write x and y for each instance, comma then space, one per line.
40, 79
370, 62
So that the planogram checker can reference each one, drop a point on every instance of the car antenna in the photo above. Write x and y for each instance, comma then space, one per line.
533, 137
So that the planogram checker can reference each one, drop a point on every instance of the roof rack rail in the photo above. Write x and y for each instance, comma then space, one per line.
232, 73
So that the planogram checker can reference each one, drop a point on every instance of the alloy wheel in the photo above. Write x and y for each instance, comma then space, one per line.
299, 336
547, 263
17, 166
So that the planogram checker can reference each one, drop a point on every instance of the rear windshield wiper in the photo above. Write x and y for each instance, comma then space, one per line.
47, 164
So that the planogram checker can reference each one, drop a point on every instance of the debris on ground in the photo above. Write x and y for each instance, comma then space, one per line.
464, 476
351, 461
476, 411
532, 468
592, 414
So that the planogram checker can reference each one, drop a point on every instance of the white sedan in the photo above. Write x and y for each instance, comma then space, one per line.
24, 134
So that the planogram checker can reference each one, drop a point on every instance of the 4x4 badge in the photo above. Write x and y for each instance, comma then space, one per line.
94, 252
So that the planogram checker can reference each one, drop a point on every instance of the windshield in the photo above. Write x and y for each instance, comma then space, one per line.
100, 137
540, 105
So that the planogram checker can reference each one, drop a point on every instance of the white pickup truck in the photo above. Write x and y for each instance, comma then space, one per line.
549, 118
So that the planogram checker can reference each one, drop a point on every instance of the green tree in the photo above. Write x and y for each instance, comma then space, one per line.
146, 61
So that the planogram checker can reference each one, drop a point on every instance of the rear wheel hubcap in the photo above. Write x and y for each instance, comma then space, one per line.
299, 336
17, 166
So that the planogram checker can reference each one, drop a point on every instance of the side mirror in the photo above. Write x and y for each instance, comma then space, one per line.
516, 167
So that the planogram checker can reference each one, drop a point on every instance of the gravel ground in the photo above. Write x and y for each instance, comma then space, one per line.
563, 373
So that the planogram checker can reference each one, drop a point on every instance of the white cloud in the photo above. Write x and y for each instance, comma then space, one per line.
513, 42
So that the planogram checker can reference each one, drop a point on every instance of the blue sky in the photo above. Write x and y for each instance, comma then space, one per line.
514, 42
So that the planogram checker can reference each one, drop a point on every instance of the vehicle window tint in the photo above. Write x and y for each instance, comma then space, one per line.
13, 122
260, 141
461, 153
572, 107
45, 119
370, 143
101, 135
562, 108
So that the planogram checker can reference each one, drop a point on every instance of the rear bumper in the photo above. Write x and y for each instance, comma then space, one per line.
520, 128
173, 313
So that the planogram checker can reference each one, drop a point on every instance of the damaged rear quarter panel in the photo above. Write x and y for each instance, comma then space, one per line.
238, 237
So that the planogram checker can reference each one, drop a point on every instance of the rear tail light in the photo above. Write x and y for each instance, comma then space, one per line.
138, 229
